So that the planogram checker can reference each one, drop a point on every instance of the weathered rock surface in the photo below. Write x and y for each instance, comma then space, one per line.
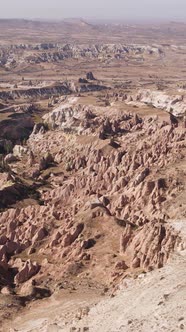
174, 104
115, 189
19, 151
57, 53
28, 271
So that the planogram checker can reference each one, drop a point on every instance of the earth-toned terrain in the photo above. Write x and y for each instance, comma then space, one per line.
92, 176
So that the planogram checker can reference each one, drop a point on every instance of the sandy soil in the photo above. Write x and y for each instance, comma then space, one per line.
154, 301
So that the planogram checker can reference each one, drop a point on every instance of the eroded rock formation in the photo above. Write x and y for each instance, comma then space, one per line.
112, 193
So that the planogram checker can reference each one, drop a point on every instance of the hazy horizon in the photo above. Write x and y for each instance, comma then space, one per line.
97, 9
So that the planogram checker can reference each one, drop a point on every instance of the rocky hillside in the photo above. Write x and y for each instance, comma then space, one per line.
105, 190
172, 103
11, 57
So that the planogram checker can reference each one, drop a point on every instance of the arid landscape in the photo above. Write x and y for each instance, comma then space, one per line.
92, 176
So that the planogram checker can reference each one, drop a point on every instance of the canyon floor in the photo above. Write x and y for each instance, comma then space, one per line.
92, 176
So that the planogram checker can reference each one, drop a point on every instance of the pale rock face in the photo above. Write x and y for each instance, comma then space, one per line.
38, 129
150, 246
5, 180
27, 289
65, 118
175, 104
19, 151
165, 100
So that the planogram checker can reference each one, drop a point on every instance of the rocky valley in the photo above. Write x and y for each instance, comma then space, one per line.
92, 176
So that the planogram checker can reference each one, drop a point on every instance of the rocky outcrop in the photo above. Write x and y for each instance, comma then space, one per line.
10, 158
71, 237
35, 92
38, 128
174, 104
29, 270
19, 151
111, 196
52, 53
150, 246
85, 120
